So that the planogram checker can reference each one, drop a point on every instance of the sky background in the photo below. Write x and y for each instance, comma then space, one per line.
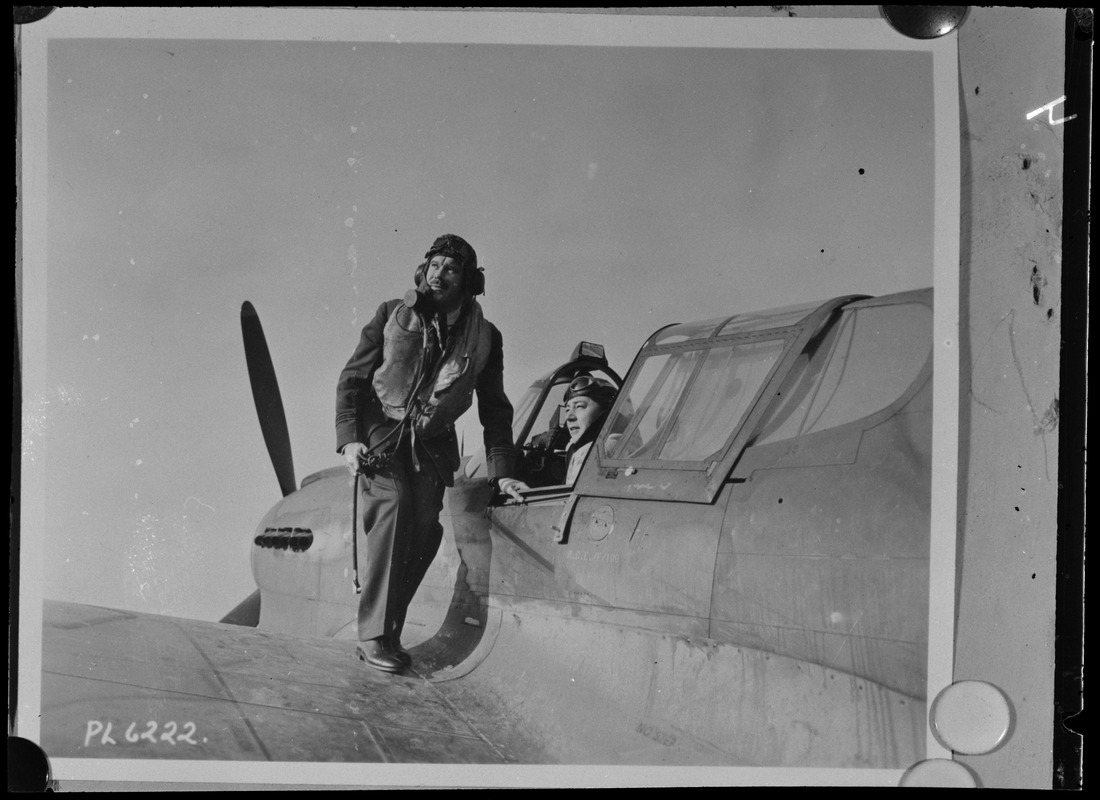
607, 190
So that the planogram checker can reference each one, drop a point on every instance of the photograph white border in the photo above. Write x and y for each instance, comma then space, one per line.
484, 27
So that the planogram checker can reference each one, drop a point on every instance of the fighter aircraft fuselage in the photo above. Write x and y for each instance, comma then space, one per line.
739, 572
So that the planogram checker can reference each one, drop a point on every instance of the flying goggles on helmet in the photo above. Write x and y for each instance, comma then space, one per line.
600, 390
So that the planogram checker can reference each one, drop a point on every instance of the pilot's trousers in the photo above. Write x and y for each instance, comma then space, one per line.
399, 535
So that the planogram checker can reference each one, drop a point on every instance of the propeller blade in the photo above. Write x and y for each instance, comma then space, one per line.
246, 613
265, 393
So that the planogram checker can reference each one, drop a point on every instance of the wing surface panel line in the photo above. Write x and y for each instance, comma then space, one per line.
462, 716
229, 692
383, 752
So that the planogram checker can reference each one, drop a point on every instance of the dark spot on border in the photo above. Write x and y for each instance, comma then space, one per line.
1038, 283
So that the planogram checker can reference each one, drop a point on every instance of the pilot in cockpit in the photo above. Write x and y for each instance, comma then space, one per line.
586, 403
556, 456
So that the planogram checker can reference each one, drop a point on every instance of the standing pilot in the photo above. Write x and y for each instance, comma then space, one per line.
415, 370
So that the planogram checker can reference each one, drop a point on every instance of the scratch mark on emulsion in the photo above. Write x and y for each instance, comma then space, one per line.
1049, 420
197, 500
977, 358
1040, 425
845, 640
1036, 422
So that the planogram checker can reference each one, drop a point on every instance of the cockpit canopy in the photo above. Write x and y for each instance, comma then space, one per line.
699, 393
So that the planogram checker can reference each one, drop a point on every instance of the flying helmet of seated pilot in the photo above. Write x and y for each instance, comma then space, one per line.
600, 390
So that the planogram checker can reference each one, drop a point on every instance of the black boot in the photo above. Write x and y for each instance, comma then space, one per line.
393, 644
378, 654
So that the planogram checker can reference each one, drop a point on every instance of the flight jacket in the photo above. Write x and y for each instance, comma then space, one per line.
360, 418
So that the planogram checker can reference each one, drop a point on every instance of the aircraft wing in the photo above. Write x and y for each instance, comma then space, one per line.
119, 684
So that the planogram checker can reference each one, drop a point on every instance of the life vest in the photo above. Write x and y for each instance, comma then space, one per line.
431, 395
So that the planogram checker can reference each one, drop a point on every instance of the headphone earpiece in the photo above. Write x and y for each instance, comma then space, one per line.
475, 282
418, 276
